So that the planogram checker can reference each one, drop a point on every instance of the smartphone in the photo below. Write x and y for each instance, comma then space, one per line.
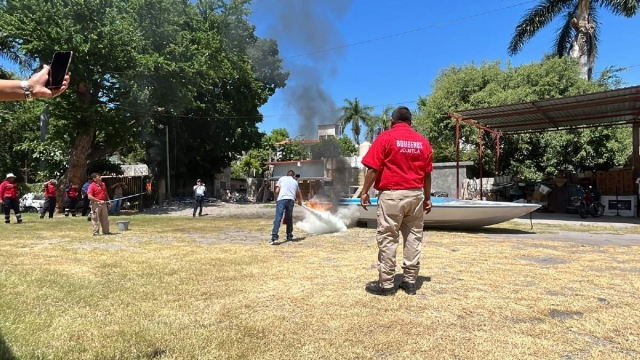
59, 68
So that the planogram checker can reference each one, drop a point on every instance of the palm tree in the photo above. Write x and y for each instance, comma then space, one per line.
354, 113
378, 123
578, 35
9, 50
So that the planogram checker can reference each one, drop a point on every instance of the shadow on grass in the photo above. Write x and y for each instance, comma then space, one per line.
5, 350
397, 280
295, 240
496, 231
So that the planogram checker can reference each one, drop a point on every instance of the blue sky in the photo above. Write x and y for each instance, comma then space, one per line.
400, 69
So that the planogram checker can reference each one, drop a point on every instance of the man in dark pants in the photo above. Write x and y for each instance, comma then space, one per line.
400, 162
50, 198
198, 191
86, 201
70, 199
9, 195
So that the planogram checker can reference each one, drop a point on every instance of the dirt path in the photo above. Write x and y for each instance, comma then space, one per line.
221, 209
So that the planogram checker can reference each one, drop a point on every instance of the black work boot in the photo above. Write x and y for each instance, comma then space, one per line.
409, 288
376, 289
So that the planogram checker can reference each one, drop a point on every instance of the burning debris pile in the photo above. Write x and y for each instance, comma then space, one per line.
323, 217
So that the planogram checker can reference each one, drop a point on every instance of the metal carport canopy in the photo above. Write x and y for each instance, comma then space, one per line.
607, 108
613, 107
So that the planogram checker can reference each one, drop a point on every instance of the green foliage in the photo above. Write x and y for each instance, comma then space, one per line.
347, 146
544, 13
532, 156
355, 114
378, 123
293, 150
331, 148
196, 67
253, 163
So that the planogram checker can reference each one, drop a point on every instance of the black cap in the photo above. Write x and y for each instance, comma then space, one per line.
198, 180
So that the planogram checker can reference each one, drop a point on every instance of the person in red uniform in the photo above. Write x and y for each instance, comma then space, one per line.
70, 199
50, 199
9, 193
399, 162
99, 198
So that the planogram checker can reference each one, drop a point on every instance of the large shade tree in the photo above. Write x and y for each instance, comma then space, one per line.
356, 114
578, 33
140, 66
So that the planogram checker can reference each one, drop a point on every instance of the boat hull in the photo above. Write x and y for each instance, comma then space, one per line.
456, 214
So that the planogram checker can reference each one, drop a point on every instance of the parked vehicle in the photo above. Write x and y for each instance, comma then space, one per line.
31, 203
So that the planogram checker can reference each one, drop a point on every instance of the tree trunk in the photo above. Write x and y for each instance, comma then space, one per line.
584, 30
78, 160
355, 129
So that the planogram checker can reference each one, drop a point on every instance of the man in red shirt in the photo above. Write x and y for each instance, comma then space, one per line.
400, 162
99, 197
9, 193
50, 198
70, 199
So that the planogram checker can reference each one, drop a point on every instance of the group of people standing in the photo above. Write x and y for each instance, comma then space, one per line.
94, 195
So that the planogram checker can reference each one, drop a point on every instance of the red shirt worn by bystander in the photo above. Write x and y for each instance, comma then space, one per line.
401, 156
72, 192
98, 191
49, 190
8, 190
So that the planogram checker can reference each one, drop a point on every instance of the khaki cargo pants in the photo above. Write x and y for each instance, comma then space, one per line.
99, 216
399, 211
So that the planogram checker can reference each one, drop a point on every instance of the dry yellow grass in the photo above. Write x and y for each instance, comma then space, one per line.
211, 288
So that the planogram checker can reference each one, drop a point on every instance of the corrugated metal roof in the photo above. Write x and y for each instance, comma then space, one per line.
614, 107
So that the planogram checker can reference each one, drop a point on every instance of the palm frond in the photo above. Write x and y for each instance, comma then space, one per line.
592, 42
534, 20
626, 8
565, 35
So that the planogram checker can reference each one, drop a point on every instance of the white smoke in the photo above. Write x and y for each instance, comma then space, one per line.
324, 222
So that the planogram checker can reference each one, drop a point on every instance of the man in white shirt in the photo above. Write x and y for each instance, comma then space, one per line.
199, 190
286, 191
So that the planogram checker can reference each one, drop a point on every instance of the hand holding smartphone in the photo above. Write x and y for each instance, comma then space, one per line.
58, 69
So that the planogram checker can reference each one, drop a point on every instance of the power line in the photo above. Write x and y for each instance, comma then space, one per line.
146, 112
412, 31
396, 34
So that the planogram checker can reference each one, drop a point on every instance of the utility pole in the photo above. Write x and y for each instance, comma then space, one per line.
44, 129
168, 169
26, 172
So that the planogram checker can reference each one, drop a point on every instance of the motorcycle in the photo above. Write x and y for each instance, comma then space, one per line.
587, 205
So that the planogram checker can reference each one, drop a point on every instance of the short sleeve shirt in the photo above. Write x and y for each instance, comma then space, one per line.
401, 156
98, 191
288, 188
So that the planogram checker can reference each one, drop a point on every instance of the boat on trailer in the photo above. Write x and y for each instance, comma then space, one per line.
451, 213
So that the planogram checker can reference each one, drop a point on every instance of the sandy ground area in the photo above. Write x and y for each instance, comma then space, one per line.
260, 210
222, 209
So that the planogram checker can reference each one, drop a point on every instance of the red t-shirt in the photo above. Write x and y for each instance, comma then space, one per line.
401, 156
72, 192
49, 190
8, 190
98, 191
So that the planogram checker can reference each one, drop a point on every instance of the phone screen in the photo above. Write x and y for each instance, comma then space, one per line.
59, 68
